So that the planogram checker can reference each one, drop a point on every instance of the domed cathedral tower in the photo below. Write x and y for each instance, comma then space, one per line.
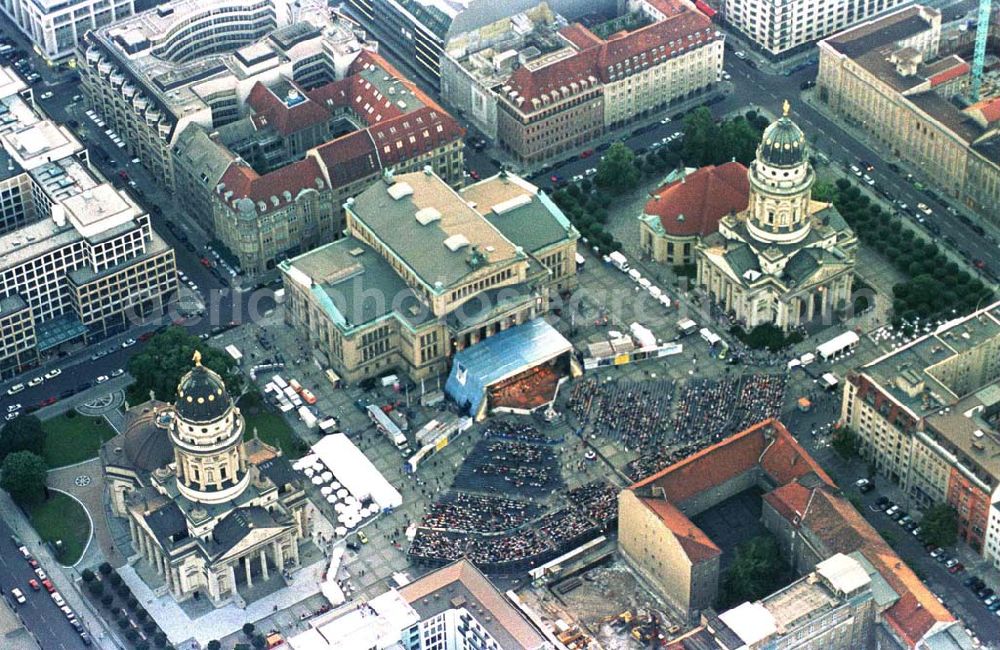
207, 435
786, 260
781, 181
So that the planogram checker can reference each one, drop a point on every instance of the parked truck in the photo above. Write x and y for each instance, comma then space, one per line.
307, 417
328, 425
619, 261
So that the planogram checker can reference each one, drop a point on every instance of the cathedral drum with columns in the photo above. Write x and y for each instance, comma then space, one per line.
787, 259
208, 511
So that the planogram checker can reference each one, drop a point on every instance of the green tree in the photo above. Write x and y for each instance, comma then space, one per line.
845, 443
165, 359
22, 434
823, 191
214, 645
739, 142
617, 172
755, 572
105, 568
940, 525
248, 629
88, 575
24, 477
701, 137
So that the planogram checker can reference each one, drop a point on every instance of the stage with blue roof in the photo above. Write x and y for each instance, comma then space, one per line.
517, 370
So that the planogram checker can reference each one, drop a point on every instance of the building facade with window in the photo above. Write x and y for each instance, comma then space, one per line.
785, 260
927, 415
559, 98
264, 135
455, 606
207, 511
887, 78
55, 27
81, 260
780, 26
427, 271
688, 208
195, 62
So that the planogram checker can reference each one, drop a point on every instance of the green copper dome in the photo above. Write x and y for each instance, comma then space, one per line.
783, 144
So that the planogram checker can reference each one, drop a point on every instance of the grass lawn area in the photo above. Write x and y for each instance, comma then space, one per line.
271, 427
72, 440
62, 518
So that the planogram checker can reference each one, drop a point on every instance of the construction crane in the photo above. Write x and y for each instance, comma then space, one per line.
979, 54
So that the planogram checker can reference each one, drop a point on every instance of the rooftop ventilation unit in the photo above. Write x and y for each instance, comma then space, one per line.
399, 190
456, 242
427, 216
512, 204
354, 252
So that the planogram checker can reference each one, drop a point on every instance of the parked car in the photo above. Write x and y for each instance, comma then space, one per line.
956, 568
52, 374
18, 595
34, 584
936, 552
864, 485
101, 379
35, 381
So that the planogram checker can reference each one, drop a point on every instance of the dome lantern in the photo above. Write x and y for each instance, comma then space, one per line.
783, 143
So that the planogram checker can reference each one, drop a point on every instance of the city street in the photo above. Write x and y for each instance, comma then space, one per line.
40, 614
947, 587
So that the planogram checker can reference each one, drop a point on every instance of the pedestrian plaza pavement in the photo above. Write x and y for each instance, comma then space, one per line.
370, 570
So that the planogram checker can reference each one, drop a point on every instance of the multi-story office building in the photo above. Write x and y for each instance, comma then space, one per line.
455, 606
263, 137
887, 78
541, 87
56, 26
195, 62
80, 259
427, 271
925, 415
287, 199
831, 607
418, 30
780, 26
856, 592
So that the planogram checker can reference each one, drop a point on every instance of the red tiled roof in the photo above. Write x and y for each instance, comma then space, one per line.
580, 36
951, 73
843, 530
693, 540
988, 108
399, 132
781, 457
785, 460
349, 158
710, 467
703, 198
594, 57
271, 110
683, 26
283, 184
532, 84
789, 500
